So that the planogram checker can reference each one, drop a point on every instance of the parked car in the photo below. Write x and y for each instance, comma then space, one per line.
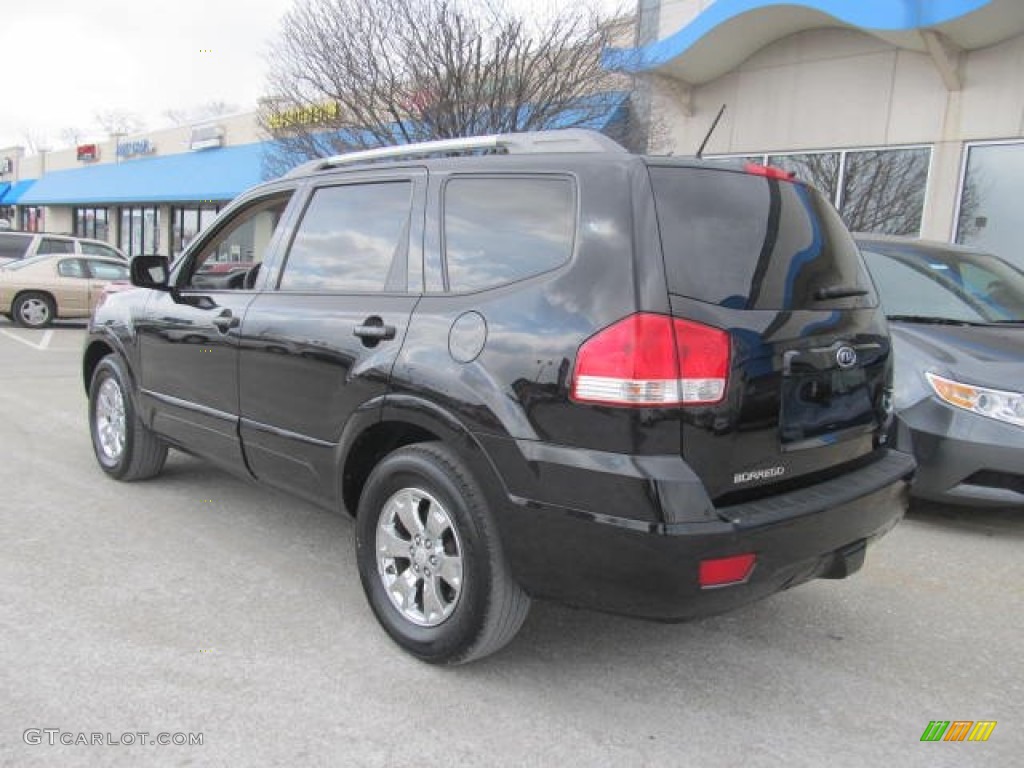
36, 291
15, 246
957, 320
651, 386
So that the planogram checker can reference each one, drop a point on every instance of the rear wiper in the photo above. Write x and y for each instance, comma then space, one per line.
927, 319
838, 292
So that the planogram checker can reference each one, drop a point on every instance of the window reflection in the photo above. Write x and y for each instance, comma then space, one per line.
501, 230
349, 237
990, 200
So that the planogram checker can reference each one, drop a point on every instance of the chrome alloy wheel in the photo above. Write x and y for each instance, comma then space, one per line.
110, 423
34, 312
419, 557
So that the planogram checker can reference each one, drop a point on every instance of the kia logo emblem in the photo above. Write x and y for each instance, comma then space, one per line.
846, 357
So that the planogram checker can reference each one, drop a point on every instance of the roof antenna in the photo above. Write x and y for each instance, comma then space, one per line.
711, 130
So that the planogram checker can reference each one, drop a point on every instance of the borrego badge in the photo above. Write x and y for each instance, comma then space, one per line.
846, 357
758, 474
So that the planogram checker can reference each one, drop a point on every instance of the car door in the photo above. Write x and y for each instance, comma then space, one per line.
69, 287
320, 343
188, 338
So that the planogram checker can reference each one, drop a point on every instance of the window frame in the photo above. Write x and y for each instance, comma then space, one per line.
575, 205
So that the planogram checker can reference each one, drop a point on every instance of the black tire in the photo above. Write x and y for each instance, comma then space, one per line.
490, 607
33, 309
142, 454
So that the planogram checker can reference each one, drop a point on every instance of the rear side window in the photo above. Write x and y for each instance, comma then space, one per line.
349, 238
497, 231
50, 245
749, 242
13, 246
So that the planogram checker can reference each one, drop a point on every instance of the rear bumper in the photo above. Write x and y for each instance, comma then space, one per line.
625, 566
963, 458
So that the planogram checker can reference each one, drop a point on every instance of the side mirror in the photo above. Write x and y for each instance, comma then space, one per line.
150, 271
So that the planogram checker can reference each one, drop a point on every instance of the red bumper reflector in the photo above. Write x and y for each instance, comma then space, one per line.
726, 570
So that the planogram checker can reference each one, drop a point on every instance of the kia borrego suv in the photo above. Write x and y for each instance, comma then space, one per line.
546, 368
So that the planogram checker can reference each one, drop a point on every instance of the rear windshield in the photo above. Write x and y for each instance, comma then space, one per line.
749, 242
13, 246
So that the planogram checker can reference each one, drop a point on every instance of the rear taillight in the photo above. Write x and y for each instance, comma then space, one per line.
653, 361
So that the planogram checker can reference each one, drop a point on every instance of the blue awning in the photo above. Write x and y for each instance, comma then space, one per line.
12, 195
210, 174
727, 32
4, 186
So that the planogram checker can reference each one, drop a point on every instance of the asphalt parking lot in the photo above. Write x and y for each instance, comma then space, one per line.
200, 604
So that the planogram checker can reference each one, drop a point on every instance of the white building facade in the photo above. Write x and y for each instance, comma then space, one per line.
908, 113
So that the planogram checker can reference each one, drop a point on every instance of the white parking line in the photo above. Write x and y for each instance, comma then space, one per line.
41, 346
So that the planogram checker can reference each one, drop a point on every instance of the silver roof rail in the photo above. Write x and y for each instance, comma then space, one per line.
534, 142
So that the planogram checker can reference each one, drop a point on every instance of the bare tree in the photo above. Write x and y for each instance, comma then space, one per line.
36, 141
200, 113
883, 191
71, 136
117, 122
350, 74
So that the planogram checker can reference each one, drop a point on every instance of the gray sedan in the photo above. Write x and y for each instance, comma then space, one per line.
957, 322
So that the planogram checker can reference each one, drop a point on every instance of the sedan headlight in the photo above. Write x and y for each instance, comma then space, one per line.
994, 403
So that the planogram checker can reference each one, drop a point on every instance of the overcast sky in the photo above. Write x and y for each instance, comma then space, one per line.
66, 60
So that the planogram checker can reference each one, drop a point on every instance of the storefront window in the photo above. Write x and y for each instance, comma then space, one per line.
819, 169
875, 190
92, 222
31, 219
993, 187
140, 230
883, 190
187, 222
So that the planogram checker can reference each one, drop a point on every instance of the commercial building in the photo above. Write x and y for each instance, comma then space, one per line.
147, 193
909, 113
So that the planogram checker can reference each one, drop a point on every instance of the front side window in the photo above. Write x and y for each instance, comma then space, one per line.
104, 270
239, 247
187, 222
497, 231
349, 239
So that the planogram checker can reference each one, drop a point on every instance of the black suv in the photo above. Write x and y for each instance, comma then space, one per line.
544, 368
